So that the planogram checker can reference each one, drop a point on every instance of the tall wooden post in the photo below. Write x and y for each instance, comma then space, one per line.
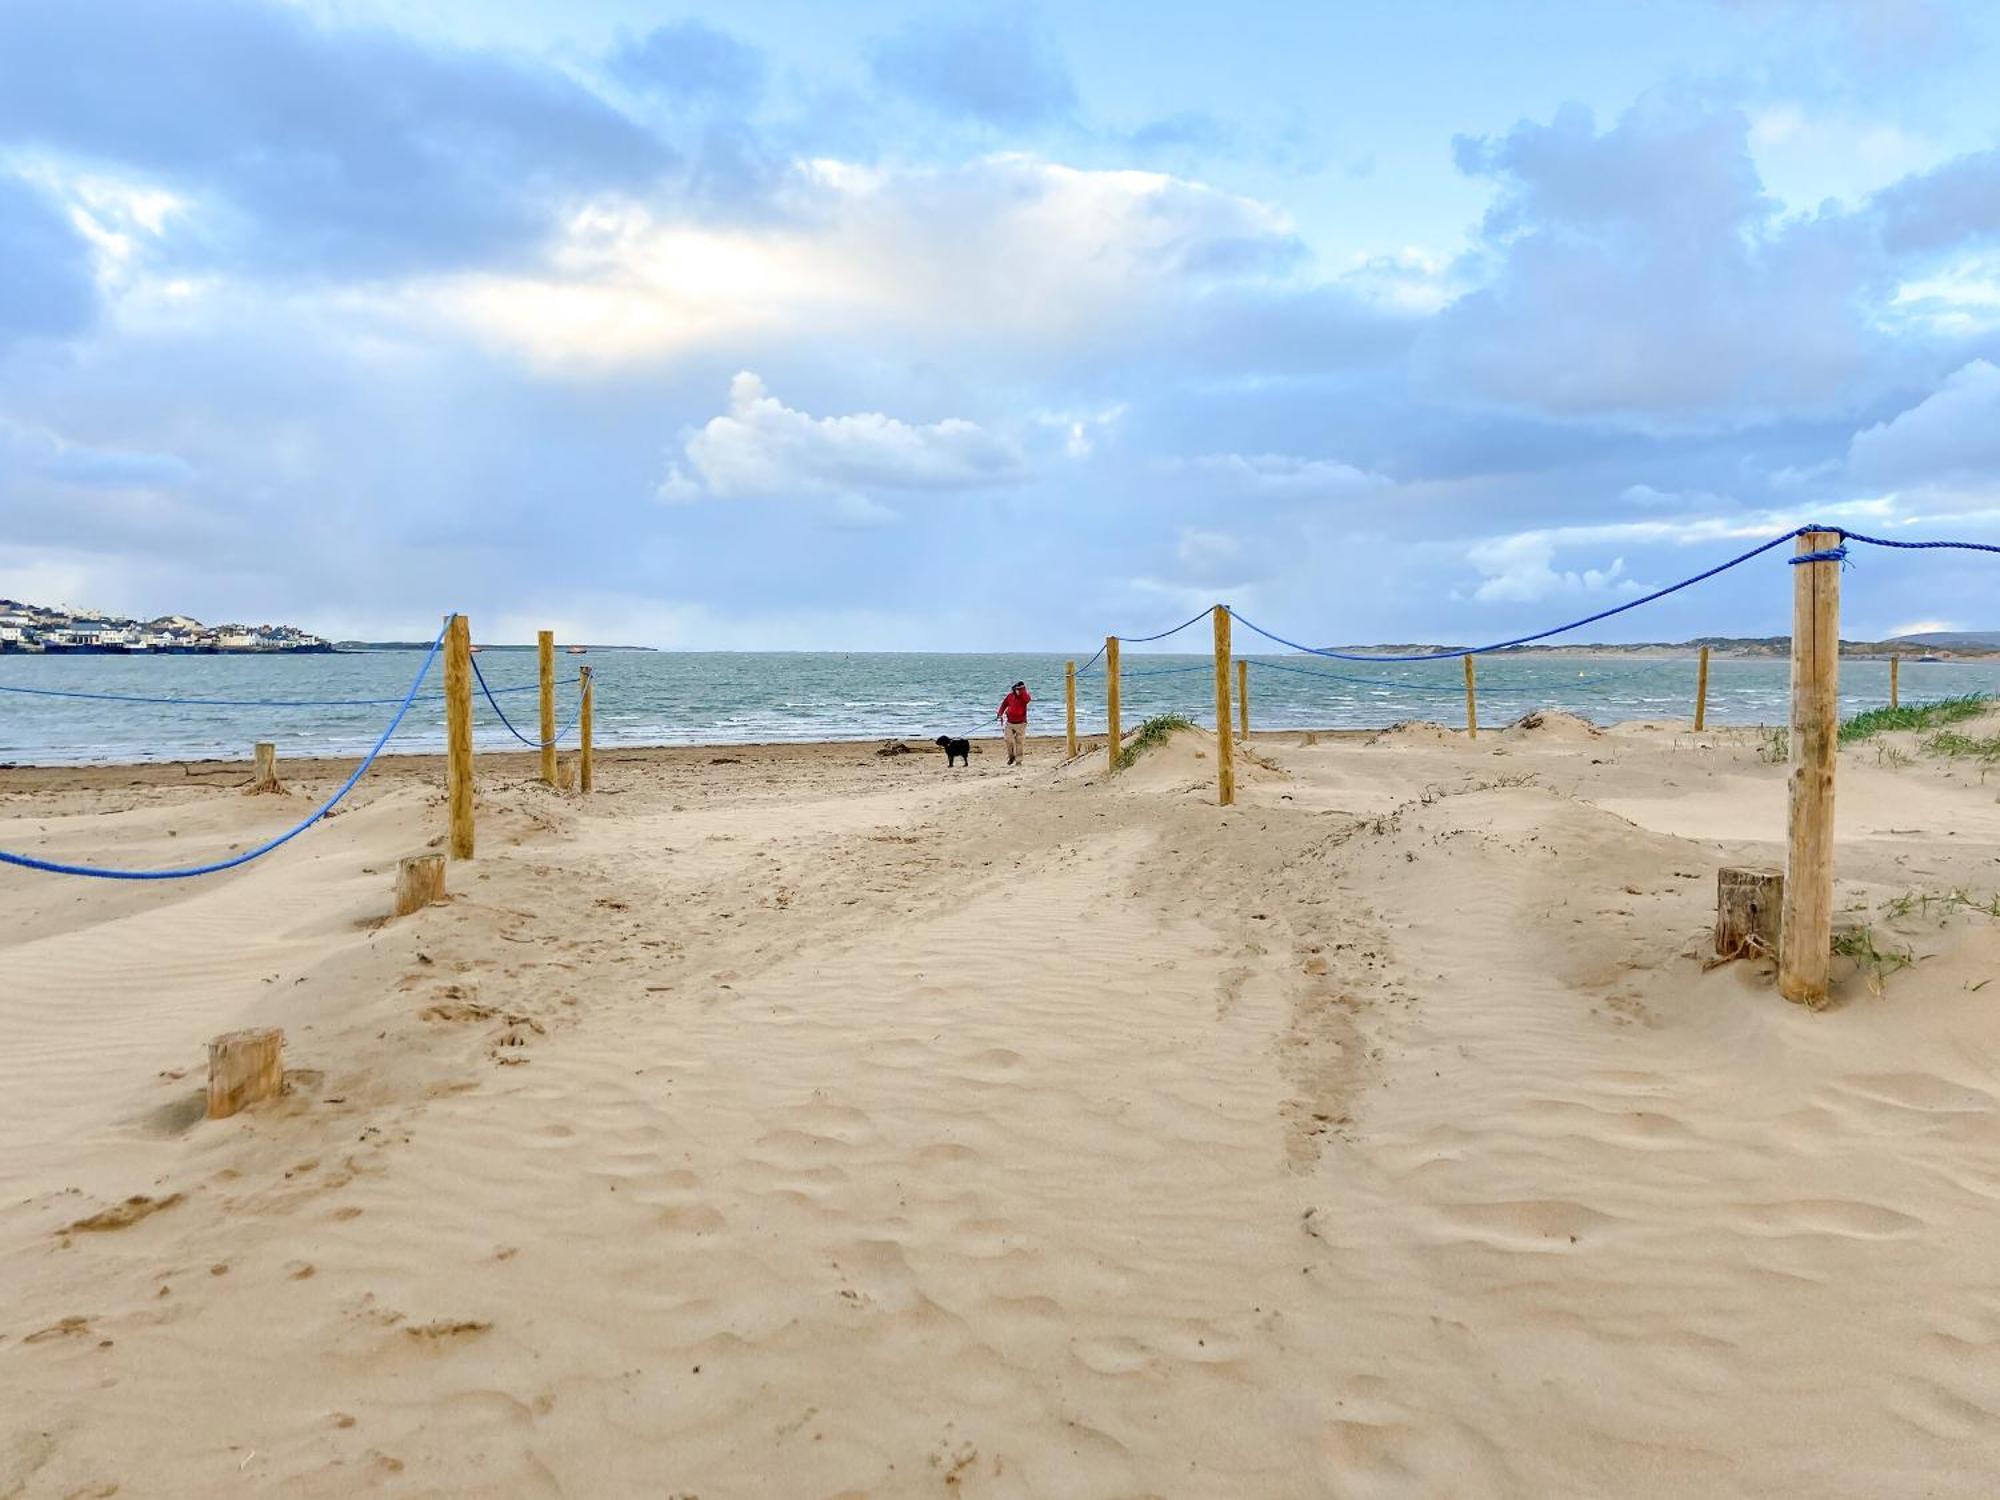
1701, 691
1111, 694
1225, 748
458, 733
1805, 935
1894, 663
1243, 697
545, 652
1069, 706
583, 728
1471, 702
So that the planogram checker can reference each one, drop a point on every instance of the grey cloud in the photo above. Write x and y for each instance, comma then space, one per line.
1954, 433
1641, 273
1943, 207
692, 62
340, 149
995, 70
46, 285
37, 453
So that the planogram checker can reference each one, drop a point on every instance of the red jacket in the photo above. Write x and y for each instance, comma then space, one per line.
1014, 707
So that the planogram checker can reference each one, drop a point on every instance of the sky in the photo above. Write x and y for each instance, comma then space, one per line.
960, 327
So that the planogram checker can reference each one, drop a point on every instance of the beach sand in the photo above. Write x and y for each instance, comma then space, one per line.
794, 1121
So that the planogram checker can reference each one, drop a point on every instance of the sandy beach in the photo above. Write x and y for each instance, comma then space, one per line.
796, 1121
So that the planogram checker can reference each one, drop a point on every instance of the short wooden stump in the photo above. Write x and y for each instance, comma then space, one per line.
244, 1067
1749, 910
419, 882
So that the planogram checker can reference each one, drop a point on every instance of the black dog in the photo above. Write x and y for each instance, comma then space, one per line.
956, 750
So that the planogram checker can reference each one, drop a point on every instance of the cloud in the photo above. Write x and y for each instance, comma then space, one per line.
1082, 429
36, 453
1952, 434
1640, 272
1007, 253
761, 447
1519, 570
995, 70
690, 62
1943, 207
47, 287
313, 148
1285, 475
1959, 299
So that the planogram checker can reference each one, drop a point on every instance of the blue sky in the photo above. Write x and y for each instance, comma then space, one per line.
963, 327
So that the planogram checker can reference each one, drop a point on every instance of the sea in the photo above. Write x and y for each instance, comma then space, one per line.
720, 698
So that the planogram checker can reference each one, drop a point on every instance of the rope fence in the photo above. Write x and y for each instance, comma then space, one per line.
1820, 553
183, 872
461, 671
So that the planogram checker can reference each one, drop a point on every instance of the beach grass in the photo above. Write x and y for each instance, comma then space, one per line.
1863, 726
1155, 732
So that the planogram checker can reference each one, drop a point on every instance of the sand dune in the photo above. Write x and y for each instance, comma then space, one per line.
822, 1124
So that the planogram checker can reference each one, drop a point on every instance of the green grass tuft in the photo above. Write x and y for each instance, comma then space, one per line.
1950, 742
1154, 732
1914, 716
1878, 963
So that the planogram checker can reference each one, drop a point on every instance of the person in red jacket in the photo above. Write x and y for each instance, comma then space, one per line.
1014, 714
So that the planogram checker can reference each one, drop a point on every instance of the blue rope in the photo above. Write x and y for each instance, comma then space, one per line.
1883, 541
1831, 554
1499, 689
234, 702
28, 862
533, 744
1139, 640
1200, 666
1091, 663
1522, 640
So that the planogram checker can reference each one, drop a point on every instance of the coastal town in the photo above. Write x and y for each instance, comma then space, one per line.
82, 632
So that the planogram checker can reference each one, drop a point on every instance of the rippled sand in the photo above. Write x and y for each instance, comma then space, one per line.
819, 1124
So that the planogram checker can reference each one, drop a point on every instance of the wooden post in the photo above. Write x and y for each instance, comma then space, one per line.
545, 651
265, 778
1225, 748
1748, 906
1069, 705
1111, 695
243, 1067
419, 882
1243, 698
1805, 937
1701, 691
1471, 702
1894, 663
583, 778
458, 733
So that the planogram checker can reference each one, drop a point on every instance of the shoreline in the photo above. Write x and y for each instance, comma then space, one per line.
21, 777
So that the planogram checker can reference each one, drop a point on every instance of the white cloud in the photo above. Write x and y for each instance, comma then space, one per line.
762, 447
1082, 430
1959, 299
1953, 433
1519, 570
1285, 474
1806, 156
1202, 548
1010, 249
